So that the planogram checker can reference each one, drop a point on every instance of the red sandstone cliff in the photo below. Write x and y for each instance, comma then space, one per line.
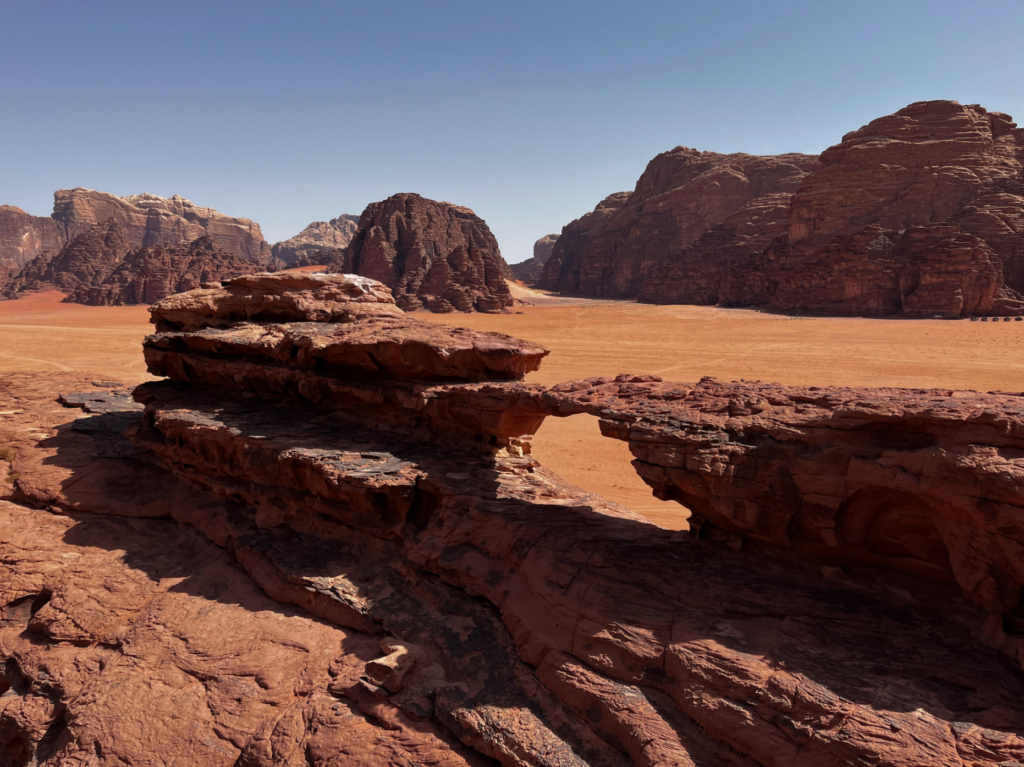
23, 237
920, 212
531, 270
433, 255
680, 196
152, 221
99, 267
316, 238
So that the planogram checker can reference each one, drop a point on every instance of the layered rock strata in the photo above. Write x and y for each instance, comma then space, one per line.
152, 221
319, 236
475, 609
531, 270
433, 255
681, 195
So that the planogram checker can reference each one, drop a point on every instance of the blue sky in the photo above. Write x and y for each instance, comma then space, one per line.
527, 112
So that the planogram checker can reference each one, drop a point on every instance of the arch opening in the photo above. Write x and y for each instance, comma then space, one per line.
575, 449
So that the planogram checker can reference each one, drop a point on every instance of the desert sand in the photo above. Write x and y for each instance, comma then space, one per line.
597, 338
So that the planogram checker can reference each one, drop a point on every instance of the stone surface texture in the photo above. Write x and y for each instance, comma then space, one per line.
681, 195
438, 597
152, 221
920, 212
23, 237
531, 270
433, 255
319, 236
100, 268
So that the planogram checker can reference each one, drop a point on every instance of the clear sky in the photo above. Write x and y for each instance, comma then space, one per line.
527, 112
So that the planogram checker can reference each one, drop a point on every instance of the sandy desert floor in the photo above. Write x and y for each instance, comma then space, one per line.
595, 338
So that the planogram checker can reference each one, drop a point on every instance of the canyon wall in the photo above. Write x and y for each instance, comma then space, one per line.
680, 196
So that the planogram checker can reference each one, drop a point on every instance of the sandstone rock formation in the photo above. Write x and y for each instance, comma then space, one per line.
433, 255
100, 268
23, 237
531, 270
681, 195
152, 221
375, 471
319, 236
920, 212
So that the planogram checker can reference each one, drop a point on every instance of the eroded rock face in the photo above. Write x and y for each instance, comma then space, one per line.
531, 270
99, 268
474, 608
681, 195
151, 221
919, 212
89, 259
433, 255
319, 236
23, 237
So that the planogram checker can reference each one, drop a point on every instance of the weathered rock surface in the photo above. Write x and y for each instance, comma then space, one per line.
681, 195
433, 255
99, 268
152, 221
919, 212
87, 260
23, 237
531, 270
319, 236
475, 609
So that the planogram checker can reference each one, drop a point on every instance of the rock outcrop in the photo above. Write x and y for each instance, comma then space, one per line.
309, 244
23, 237
100, 268
433, 255
920, 213
531, 270
152, 221
375, 471
681, 195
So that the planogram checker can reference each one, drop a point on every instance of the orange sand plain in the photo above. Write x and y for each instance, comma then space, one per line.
592, 338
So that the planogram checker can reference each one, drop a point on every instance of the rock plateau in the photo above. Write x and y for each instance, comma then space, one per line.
324, 541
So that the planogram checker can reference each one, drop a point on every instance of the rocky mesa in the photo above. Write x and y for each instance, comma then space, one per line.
323, 539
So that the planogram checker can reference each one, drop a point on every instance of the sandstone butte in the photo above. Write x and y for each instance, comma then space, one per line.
919, 213
433, 255
531, 270
323, 540
320, 236
100, 267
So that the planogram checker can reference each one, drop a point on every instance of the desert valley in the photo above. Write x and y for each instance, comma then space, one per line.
730, 472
